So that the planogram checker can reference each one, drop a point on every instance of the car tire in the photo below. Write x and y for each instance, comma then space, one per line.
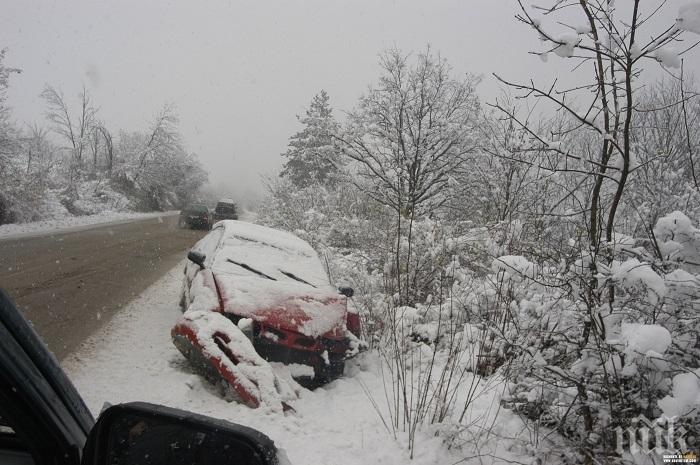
324, 374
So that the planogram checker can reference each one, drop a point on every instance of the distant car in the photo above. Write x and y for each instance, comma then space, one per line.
195, 216
225, 210
253, 295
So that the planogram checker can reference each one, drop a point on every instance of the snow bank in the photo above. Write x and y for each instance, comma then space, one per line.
73, 223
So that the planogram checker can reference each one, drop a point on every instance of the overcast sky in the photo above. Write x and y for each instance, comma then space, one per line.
240, 71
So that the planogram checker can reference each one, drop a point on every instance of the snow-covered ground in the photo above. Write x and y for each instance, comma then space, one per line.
132, 358
73, 223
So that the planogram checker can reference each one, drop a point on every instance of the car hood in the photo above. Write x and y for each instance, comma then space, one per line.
308, 310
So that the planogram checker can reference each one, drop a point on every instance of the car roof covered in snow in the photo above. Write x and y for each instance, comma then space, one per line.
226, 201
253, 250
274, 276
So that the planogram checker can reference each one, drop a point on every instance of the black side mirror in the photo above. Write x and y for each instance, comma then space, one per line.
347, 291
49, 421
145, 434
196, 258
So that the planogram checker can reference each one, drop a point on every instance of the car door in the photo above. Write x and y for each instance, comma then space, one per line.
45, 421
207, 246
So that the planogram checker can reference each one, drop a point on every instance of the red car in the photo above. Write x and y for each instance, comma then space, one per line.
253, 294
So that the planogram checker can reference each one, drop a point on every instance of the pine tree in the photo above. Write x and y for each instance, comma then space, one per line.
312, 157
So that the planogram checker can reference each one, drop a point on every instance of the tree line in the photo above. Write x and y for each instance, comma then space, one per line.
75, 163
566, 237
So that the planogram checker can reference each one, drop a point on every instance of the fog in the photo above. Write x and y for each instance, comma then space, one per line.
240, 72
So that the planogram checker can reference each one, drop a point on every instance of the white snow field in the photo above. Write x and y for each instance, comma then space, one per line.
133, 359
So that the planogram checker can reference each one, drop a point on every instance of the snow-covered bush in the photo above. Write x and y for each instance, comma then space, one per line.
546, 255
586, 371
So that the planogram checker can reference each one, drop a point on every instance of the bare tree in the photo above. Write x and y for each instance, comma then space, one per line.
37, 147
75, 132
108, 146
163, 137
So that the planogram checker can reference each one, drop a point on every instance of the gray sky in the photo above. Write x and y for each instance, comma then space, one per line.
239, 71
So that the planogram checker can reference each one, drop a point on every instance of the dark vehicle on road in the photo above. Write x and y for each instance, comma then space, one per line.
253, 295
195, 216
44, 421
225, 210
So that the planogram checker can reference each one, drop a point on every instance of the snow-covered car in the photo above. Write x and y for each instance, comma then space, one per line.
254, 295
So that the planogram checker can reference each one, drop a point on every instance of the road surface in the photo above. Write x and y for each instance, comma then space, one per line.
69, 284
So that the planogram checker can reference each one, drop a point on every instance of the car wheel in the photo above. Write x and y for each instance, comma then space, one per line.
326, 373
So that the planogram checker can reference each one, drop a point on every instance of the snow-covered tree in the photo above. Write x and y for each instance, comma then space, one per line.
312, 156
594, 345
407, 136
6, 129
8, 144
411, 131
154, 167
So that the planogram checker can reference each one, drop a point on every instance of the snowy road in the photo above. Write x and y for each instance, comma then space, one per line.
132, 358
69, 283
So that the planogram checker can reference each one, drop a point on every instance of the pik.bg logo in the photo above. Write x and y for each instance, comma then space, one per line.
661, 437
688, 457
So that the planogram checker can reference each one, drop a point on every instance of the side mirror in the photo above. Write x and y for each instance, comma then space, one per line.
145, 434
196, 258
347, 291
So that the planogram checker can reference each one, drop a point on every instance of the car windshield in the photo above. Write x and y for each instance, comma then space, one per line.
198, 209
404, 232
225, 208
